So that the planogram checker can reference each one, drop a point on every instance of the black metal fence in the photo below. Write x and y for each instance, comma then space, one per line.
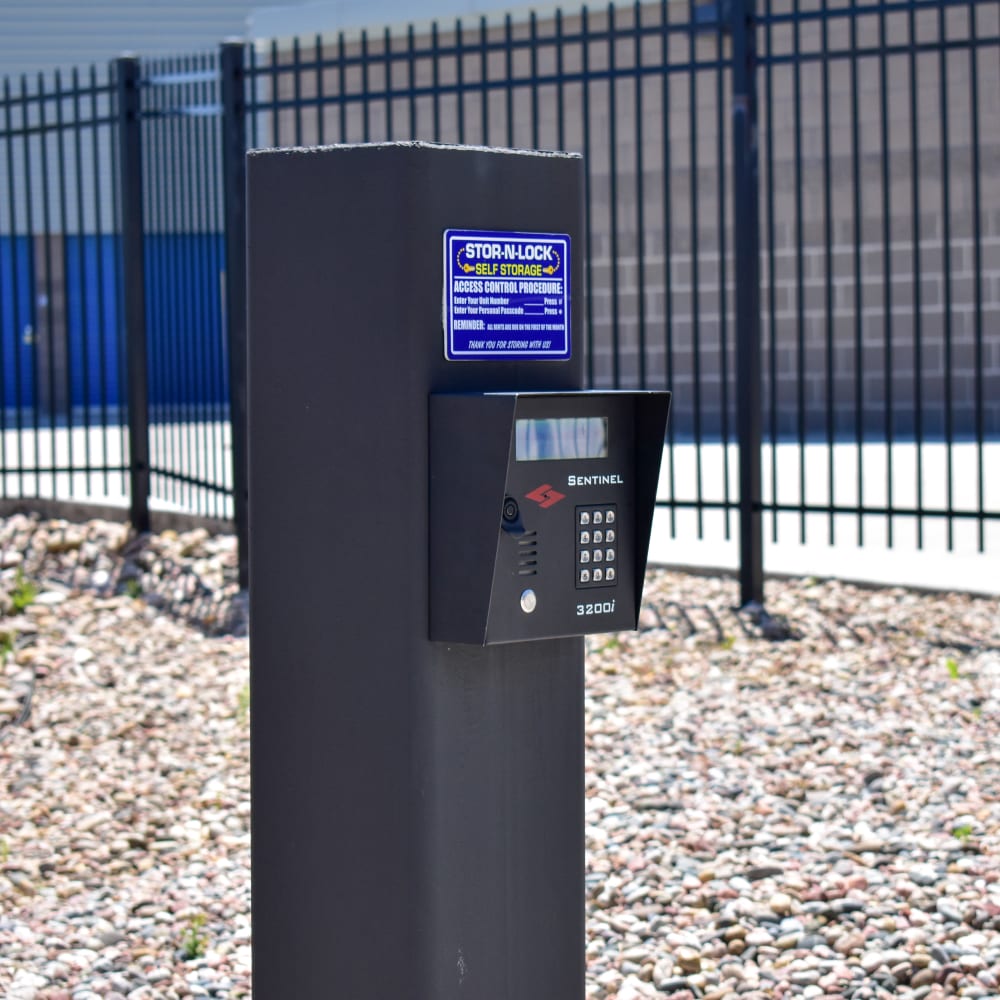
791, 221
61, 363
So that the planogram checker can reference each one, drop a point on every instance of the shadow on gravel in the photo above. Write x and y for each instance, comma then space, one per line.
803, 609
686, 621
191, 576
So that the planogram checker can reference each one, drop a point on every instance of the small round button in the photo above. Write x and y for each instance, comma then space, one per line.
529, 601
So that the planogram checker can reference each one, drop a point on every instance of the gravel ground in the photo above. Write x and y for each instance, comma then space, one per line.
799, 805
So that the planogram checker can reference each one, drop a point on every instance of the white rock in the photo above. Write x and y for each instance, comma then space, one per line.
25, 985
635, 989
50, 598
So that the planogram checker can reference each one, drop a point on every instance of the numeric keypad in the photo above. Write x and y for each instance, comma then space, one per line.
596, 545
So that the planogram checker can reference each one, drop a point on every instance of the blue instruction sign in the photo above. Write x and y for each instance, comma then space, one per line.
506, 296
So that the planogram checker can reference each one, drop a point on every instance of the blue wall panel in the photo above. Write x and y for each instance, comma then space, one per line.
184, 309
188, 373
17, 348
92, 318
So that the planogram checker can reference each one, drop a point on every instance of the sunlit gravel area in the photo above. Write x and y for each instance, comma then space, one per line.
124, 782
802, 803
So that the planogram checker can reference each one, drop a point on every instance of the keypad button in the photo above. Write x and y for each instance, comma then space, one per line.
609, 517
584, 517
585, 556
585, 538
609, 536
598, 575
609, 574
598, 537
598, 555
598, 517
609, 555
584, 576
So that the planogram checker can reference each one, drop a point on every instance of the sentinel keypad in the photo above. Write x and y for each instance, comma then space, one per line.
596, 543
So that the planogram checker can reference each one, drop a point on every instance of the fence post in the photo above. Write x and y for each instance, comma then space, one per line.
231, 63
746, 192
127, 76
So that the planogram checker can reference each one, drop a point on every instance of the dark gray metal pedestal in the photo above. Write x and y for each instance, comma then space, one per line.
417, 806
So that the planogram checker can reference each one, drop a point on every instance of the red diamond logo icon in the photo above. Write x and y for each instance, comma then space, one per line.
545, 495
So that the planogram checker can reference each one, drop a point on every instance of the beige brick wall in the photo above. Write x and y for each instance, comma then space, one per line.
660, 235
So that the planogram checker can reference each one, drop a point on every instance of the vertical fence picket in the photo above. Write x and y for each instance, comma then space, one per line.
977, 270
234, 112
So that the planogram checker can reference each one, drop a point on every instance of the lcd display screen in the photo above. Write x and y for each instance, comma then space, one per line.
560, 437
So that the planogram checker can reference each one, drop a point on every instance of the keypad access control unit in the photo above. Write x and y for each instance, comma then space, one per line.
541, 506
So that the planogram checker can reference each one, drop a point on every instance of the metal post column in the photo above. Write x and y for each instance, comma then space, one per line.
418, 826
127, 75
746, 193
233, 82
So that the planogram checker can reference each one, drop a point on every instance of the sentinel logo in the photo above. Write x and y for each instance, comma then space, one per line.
611, 480
545, 495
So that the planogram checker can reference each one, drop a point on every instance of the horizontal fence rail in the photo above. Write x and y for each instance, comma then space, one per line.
833, 352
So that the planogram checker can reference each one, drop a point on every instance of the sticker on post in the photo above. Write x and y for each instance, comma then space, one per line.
506, 296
